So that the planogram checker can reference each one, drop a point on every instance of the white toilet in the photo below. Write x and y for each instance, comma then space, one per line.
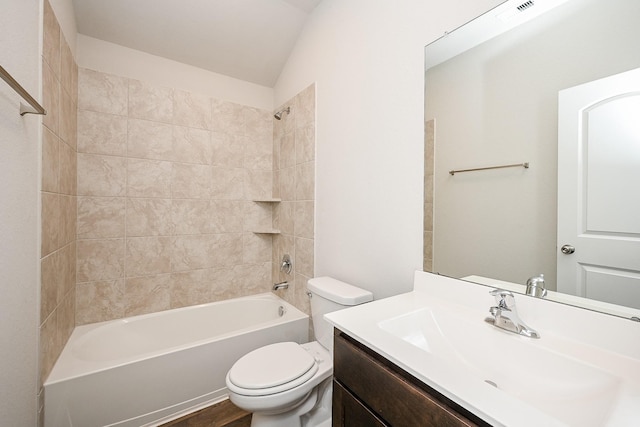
289, 384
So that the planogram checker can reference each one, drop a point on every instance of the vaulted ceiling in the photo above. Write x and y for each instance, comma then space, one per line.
246, 39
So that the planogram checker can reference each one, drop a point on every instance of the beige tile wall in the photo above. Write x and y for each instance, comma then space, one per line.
58, 194
429, 140
294, 183
166, 180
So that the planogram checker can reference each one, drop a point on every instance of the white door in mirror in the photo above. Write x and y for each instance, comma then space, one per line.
598, 200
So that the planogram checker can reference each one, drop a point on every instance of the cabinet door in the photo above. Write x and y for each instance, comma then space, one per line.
349, 412
391, 394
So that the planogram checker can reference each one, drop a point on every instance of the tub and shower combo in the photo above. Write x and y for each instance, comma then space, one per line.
150, 369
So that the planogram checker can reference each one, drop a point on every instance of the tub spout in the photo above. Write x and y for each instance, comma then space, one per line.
281, 285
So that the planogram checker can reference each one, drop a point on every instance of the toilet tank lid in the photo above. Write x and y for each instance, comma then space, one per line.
339, 292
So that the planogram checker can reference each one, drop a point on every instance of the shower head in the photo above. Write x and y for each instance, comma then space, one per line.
278, 115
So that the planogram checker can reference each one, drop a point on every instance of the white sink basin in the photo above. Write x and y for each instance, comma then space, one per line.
584, 370
565, 388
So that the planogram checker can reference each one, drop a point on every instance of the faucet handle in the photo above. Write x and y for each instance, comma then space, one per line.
504, 299
285, 265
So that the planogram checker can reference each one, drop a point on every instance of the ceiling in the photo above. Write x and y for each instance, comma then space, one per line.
246, 39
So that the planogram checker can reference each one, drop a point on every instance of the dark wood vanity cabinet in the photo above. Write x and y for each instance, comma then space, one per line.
368, 390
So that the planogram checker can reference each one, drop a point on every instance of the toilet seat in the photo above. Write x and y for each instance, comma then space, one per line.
271, 369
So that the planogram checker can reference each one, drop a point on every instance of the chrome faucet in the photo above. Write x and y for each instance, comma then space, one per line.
505, 315
535, 286
285, 265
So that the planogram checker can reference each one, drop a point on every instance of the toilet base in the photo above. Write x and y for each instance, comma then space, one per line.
320, 415
315, 411
291, 418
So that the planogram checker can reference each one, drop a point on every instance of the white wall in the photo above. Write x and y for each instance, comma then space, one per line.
122, 61
19, 216
367, 59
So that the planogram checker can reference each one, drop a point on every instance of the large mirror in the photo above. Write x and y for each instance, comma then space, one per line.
492, 99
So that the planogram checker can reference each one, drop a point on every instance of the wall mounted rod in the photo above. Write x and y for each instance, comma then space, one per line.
516, 165
23, 93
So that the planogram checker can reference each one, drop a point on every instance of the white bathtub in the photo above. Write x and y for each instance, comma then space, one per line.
149, 369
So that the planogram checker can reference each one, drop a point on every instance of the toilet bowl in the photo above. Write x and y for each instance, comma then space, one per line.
279, 377
289, 384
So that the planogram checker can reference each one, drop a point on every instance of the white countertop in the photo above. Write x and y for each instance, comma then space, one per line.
590, 335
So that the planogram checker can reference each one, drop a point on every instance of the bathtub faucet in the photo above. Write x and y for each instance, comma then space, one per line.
281, 285
285, 265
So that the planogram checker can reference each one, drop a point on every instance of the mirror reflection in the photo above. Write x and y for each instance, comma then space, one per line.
496, 104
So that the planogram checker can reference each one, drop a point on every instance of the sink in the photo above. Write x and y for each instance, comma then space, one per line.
584, 370
567, 389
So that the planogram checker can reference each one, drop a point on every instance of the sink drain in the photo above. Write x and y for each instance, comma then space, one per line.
491, 383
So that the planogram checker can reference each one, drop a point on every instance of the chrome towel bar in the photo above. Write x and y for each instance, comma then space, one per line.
516, 165
23, 93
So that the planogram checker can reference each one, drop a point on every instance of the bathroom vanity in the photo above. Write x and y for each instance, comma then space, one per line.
428, 357
370, 390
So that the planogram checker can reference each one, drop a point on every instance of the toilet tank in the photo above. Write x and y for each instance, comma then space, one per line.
327, 295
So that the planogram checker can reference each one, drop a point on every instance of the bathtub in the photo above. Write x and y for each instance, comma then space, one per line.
149, 369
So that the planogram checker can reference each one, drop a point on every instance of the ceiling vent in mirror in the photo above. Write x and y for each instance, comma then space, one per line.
513, 11
526, 5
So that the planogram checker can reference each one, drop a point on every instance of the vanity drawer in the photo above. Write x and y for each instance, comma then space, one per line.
348, 411
390, 393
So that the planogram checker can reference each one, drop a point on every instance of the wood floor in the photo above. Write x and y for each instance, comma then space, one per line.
223, 414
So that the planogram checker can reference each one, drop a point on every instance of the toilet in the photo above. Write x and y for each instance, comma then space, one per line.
289, 384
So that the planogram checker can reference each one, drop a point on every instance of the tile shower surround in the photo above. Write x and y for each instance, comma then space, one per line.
294, 184
166, 183
429, 147
57, 195
147, 193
